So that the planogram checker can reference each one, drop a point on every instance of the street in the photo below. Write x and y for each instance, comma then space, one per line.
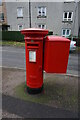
15, 57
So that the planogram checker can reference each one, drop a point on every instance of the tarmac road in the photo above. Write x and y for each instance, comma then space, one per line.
15, 57
26, 109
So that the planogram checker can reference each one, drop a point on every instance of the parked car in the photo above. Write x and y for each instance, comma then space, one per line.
72, 45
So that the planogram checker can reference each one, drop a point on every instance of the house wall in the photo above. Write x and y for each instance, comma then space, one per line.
0, 21
13, 21
54, 19
4, 11
3, 23
74, 24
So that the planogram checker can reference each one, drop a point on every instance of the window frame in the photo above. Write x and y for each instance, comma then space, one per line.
66, 29
67, 19
41, 26
19, 26
2, 14
41, 9
69, 1
20, 16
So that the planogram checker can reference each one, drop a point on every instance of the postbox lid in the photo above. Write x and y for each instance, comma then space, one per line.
34, 32
34, 29
56, 38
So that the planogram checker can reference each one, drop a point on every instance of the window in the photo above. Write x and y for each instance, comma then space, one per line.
68, 1
67, 16
42, 26
66, 32
41, 11
19, 12
1, 16
20, 27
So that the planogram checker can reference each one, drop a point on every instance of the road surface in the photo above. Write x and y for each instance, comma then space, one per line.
15, 57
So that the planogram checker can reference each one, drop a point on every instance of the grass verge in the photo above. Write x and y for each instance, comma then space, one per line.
22, 44
13, 43
59, 93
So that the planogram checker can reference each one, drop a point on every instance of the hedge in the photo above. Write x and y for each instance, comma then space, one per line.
15, 36
77, 39
12, 36
0, 35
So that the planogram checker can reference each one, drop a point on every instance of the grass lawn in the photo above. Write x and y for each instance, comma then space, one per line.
58, 92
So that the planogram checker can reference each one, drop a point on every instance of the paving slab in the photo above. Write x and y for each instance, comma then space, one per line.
13, 107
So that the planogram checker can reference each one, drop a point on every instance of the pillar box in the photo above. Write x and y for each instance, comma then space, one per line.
34, 58
56, 53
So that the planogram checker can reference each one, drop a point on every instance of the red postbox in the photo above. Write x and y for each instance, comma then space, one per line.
52, 56
56, 53
34, 58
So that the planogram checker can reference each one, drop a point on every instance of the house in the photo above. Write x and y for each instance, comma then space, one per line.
60, 17
3, 17
70, 19
0, 17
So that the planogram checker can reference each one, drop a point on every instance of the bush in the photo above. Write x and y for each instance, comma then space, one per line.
50, 33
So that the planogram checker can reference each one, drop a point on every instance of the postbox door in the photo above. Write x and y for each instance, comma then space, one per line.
34, 58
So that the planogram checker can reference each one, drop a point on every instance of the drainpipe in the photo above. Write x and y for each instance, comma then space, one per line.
76, 5
29, 14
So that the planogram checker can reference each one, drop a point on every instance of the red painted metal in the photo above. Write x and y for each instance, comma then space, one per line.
56, 53
34, 56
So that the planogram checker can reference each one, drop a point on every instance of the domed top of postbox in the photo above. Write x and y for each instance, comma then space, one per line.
56, 38
34, 32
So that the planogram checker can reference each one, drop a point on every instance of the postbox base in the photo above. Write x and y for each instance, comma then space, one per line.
34, 90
